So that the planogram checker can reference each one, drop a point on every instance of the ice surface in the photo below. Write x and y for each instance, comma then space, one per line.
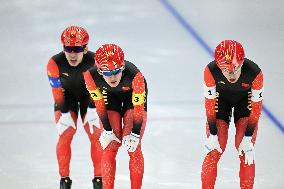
172, 62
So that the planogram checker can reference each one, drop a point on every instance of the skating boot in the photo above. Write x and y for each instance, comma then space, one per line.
97, 183
65, 183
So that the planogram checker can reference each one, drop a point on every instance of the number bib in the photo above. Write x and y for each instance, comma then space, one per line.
138, 99
96, 94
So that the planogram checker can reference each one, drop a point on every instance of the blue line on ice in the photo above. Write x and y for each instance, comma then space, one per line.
205, 46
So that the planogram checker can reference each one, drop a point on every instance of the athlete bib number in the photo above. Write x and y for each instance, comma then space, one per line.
209, 92
96, 94
138, 99
257, 95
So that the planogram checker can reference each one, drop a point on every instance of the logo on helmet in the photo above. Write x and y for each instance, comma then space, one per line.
109, 57
73, 33
109, 53
229, 55
74, 36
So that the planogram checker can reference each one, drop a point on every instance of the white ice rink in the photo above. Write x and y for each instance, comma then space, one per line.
172, 59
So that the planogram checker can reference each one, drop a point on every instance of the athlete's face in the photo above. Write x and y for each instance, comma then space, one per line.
233, 76
75, 57
113, 77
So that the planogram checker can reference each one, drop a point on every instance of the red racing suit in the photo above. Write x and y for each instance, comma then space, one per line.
70, 95
122, 109
245, 96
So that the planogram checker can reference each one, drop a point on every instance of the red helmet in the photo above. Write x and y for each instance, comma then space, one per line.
74, 36
109, 57
225, 52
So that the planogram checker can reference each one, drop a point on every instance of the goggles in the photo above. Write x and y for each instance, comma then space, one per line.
111, 72
75, 49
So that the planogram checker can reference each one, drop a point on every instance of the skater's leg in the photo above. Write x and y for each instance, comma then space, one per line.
63, 148
247, 172
209, 166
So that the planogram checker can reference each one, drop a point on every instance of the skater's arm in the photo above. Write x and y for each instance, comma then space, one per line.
256, 104
55, 83
98, 99
210, 100
138, 100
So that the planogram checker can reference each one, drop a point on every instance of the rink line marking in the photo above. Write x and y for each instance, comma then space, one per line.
205, 46
24, 106
151, 119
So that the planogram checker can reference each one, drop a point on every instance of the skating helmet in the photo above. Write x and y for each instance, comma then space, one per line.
74, 36
225, 52
109, 57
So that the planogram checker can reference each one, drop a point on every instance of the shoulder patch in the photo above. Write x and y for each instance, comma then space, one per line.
54, 82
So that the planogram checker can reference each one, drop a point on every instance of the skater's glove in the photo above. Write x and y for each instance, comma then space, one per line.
106, 138
131, 142
212, 143
246, 146
65, 121
92, 118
